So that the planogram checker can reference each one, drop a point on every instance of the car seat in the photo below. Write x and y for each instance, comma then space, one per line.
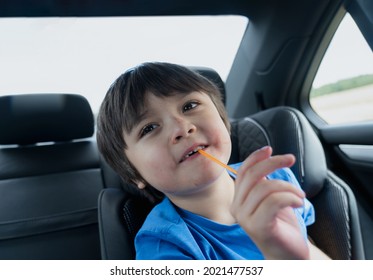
337, 227
50, 178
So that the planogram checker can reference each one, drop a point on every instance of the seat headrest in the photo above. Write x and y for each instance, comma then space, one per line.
34, 118
287, 131
213, 76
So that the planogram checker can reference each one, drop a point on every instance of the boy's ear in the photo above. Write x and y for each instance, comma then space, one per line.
141, 185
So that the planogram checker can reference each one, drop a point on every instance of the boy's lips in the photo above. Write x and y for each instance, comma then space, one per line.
192, 151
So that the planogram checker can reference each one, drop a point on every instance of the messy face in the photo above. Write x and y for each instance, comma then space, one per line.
163, 143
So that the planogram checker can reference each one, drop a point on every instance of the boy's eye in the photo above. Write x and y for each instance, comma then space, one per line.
147, 129
190, 105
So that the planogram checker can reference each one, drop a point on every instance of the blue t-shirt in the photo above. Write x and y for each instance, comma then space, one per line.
170, 232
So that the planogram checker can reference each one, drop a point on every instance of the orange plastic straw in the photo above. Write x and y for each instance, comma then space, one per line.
202, 152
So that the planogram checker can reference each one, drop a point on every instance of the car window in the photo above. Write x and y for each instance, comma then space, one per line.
342, 91
85, 55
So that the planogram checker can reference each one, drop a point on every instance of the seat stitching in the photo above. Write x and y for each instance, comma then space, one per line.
260, 128
300, 144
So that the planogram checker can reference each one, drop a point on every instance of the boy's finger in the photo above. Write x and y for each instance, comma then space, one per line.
259, 171
269, 165
265, 189
271, 206
252, 159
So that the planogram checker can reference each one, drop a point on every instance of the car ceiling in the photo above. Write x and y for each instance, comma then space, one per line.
120, 7
253, 9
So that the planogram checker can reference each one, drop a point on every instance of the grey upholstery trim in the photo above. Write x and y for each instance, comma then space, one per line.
300, 144
363, 153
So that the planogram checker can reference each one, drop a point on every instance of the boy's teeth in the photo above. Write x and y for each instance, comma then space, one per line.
194, 151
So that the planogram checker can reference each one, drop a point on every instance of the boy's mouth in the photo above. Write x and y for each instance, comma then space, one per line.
191, 153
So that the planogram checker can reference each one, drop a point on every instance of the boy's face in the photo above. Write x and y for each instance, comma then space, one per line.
160, 145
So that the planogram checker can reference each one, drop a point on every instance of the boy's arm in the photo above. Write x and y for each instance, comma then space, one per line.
316, 253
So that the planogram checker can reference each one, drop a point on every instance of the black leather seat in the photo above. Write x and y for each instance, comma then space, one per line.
337, 227
50, 178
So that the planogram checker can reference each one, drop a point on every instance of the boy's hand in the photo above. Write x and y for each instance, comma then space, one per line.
263, 207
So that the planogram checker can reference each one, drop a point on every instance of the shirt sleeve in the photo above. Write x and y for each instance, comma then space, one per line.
152, 248
307, 211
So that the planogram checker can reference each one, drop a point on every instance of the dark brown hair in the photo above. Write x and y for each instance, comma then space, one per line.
125, 101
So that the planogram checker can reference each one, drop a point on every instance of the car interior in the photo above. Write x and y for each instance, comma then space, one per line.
59, 199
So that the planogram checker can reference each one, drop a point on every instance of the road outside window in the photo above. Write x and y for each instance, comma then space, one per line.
343, 88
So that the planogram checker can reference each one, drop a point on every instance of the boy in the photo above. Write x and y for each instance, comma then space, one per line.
153, 120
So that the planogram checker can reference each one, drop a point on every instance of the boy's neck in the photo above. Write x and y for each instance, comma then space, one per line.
212, 203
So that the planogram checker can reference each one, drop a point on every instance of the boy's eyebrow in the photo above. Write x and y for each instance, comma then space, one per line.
139, 119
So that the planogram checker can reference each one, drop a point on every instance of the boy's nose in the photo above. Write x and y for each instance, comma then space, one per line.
182, 128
